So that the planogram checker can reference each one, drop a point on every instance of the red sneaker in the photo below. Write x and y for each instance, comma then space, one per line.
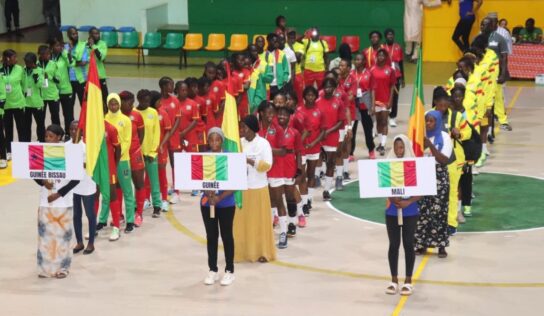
138, 220
351, 158
372, 155
302, 221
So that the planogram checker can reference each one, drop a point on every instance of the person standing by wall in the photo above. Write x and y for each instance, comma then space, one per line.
467, 13
315, 59
413, 20
77, 71
11, 9
100, 49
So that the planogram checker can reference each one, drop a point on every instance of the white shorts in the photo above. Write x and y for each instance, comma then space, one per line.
342, 135
288, 181
330, 148
309, 157
378, 109
275, 182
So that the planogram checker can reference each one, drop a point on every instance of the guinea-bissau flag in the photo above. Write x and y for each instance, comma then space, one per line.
91, 123
416, 125
230, 127
397, 174
46, 157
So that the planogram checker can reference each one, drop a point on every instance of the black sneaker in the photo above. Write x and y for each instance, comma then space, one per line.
326, 196
306, 210
99, 226
129, 228
291, 230
156, 212
346, 176
282, 244
381, 150
339, 185
452, 231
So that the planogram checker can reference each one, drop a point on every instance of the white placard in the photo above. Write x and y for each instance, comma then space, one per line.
236, 176
424, 183
24, 169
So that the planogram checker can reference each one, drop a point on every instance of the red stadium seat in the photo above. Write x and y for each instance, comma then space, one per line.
331, 42
353, 42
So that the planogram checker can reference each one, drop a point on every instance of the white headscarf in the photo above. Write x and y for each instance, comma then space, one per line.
408, 150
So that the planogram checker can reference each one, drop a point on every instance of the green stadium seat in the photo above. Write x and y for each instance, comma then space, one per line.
110, 38
174, 41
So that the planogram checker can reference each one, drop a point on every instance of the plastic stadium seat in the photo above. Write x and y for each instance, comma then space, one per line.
331, 42
85, 28
152, 40
174, 41
124, 29
238, 42
216, 42
110, 38
106, 28
129, 40
65, 28
353, 42
193, 42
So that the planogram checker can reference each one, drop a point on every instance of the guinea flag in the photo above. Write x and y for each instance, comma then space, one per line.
210, 167
416, 125
230, 127
91, 123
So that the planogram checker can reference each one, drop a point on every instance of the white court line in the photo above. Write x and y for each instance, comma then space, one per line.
464, 233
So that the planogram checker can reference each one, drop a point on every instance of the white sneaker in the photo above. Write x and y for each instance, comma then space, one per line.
392, 122
227, 279
115, 234
3, 164
8, 156
147, 204
165, 206
211, 278
175, 198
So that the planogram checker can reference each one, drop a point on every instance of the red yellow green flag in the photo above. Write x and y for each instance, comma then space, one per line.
416, 125
91, 123
230, 127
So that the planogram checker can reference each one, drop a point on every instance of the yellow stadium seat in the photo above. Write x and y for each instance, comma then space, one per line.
216, 42
193, 42
238, 42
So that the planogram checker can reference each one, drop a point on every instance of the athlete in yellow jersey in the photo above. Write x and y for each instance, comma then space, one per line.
124, 129
150, 144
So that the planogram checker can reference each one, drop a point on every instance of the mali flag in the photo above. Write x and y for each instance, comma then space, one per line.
397, 174
416, 125
91, 122
230, 127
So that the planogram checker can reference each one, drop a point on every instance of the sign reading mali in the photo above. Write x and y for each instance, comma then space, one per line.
397, 177
210, 171
47, 161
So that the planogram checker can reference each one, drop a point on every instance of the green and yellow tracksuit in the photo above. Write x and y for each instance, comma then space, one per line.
150, 146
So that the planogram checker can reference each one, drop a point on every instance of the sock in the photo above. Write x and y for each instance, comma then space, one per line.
317, 171
304, 199
274, 212
380, 138
383, 140
293, 220
163, 183
339, 171
299, 208
283, 224
328, 183
459, 205
310, 194
140, 198
346, 165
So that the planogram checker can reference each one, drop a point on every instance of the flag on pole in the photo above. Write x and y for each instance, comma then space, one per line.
230, 127
91, 123
416, 126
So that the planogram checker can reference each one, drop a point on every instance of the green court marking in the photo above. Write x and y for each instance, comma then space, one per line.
503, 203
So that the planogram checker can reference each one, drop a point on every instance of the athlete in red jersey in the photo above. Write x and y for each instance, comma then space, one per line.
383, 85
370, 53
292, 169
137, 164
217, 89
189, 118
348, 84
314, 132
200, 128
333, 117
397, 56
162, 151
211, 105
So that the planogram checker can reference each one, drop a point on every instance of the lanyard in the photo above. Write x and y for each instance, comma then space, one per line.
358, 77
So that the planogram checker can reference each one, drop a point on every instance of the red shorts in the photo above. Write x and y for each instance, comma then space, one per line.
137, 160
313, 76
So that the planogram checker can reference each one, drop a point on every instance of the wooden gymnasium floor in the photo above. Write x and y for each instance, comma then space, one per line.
336, 265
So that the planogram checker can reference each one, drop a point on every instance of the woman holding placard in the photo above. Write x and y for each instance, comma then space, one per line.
409, 210
220, 219
432, 226
253, 224
55, 229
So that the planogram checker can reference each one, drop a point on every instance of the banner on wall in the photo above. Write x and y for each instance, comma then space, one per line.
210, 171
47, 161
397, 177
